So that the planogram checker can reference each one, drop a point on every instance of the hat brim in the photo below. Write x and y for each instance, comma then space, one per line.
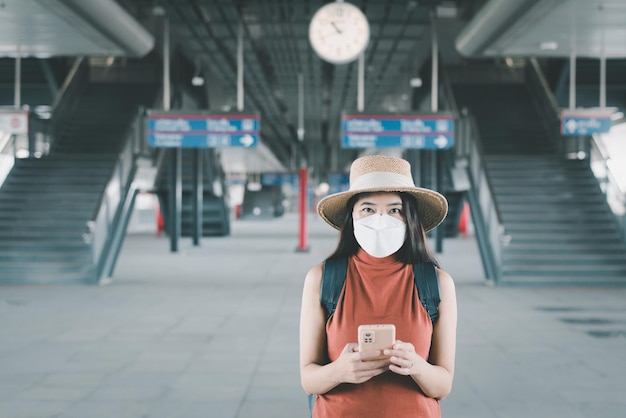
432, 207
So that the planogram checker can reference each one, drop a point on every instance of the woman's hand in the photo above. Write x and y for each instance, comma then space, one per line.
404, 359
353, 366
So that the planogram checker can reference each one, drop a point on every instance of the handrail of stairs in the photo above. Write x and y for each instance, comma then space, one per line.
74, 81
484, 211
548, 105
615, 192
107, 225
489, 229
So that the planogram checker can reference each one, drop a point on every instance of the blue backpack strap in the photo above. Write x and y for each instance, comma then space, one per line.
333, 277
428, 288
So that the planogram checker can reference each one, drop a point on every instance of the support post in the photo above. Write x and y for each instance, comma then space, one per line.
603, 79
240, 69
17, 94
198, 196
572, 80
434, 85
360, 102
175, 194
439, 182
434, 107
302, 242
300, 132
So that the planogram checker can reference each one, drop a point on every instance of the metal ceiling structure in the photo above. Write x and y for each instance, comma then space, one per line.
276, 51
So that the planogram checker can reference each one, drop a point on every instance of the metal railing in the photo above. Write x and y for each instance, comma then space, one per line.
614, 192
105, 229
489, 229
490, 232
546, 102
76, 79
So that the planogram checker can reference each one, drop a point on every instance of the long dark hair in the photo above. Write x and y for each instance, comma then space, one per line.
415, 248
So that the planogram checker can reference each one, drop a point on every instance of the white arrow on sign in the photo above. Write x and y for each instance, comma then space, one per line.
570, 125
441, 141
246, 140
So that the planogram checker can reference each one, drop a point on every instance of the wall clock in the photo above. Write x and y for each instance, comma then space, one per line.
339, 32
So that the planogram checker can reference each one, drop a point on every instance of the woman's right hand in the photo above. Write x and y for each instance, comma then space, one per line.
353, 366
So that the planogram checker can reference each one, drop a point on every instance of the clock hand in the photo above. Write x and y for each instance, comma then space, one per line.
336, 27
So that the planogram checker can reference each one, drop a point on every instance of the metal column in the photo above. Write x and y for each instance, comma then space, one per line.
176, 189
436, 169
197, 192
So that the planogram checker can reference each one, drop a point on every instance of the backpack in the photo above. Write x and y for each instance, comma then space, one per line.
334, 275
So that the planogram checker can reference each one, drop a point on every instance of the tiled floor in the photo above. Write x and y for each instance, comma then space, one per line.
212, 331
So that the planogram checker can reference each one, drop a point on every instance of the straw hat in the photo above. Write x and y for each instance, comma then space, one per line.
377, 173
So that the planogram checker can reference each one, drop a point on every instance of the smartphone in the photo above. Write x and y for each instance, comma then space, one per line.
376, 337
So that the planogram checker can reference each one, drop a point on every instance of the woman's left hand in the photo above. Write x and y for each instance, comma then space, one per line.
404, 359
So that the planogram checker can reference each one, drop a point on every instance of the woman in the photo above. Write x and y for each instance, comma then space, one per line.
383, 219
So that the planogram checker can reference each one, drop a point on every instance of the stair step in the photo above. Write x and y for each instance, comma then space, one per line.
566, 269
37, 232
564, 280
61, 203
583, 227
19, 221
46, 265
564, 259
45, 278
53, 254
556, 240
541, 246
550, 218
42, 246
574, 233
40, 191
520, 185
561, 201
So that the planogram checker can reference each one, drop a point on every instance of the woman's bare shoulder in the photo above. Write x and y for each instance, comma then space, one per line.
446, 283
314, 276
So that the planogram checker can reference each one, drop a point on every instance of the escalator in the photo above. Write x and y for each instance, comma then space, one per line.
215, 210
559, 228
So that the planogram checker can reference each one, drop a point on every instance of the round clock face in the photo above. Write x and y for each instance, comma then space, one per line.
339, 32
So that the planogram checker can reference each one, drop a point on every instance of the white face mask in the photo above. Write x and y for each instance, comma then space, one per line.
380, 235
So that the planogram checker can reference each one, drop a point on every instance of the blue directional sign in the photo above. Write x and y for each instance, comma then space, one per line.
585, 121
278, 179
417, 131
169, 130
338, 182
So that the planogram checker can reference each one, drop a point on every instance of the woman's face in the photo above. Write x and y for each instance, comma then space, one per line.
378, 203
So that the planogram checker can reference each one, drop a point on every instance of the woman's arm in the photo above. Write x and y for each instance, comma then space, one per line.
435, 376
316, 375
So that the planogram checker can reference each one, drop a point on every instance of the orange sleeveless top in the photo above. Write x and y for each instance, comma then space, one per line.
378, 291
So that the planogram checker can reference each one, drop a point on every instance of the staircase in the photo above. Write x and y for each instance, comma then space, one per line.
558, 225
46, 204
99, 119
561, 230
44, 208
